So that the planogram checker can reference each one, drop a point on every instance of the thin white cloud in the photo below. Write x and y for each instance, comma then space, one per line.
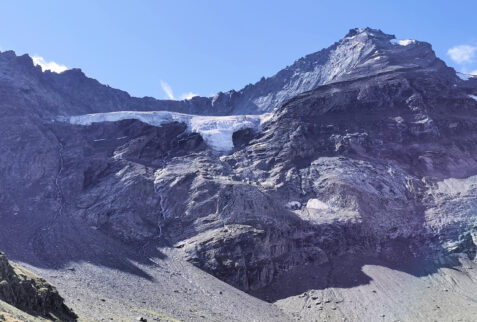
464, 70
462, 54
48, 65
168, 90
188, 96
170, 94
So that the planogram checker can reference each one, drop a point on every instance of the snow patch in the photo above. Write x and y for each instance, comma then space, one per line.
399, 119
465, 76
316, 204
215, 130
403, 42
294, 205
473, 97
425, 120
453, 186
407, 42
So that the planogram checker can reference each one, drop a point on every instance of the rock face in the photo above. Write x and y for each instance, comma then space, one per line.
361, 52
30, 293
370, 152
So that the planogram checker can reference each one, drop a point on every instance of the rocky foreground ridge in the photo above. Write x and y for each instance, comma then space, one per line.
30, 293
370, 155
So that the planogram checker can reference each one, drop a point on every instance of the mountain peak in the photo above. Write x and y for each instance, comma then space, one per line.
363, 52
376, 33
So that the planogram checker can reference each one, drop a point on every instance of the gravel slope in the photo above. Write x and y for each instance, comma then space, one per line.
175, 291
381, 293
9, 313
348, 289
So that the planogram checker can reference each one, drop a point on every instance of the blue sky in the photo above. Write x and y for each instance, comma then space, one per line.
175, 48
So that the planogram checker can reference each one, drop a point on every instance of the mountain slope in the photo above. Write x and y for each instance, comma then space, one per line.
368, 160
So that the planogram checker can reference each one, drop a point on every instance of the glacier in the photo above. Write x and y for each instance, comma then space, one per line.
216, 131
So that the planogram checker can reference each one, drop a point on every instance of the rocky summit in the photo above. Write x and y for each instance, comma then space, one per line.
344, 187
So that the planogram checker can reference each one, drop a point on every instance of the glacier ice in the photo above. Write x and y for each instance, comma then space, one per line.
215, 130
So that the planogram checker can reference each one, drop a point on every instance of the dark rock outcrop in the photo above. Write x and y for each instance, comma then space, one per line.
31, 293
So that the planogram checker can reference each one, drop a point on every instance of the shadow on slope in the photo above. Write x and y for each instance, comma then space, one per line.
40, 223
347, 271
65, 241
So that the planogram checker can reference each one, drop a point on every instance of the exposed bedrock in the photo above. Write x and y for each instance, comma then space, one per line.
371, 150
30, 293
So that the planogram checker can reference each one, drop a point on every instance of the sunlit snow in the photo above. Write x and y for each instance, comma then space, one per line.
316, 204
215, 130
463, 76
454, 186
403, 42
294, 205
